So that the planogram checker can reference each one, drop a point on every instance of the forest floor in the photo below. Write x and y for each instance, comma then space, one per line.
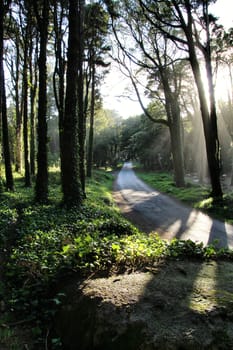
175, 305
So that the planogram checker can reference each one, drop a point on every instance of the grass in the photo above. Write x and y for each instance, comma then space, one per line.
43, 245
196, 196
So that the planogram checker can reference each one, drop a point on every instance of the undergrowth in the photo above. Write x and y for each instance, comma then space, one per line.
43, 244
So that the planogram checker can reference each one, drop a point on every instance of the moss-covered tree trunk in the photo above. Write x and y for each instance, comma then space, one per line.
71, 184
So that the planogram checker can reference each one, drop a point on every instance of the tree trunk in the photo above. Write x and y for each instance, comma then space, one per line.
71, 185
18, 111
5, 135
59, 78
174, 123
208, 117
212, 144
177, 154
25, 116
33, 90
91, 130
80, 88
41, 193
3, 109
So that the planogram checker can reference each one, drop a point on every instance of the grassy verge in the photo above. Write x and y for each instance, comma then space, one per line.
42, 245
196, 196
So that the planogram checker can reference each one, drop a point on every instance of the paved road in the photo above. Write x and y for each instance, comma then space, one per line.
154, 211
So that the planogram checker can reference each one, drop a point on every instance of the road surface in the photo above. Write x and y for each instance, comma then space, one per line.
152, 211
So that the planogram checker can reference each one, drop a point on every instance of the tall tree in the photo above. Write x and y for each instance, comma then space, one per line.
4, 6
25, 34
155, 58
42, 16
71, 184
14, 65
59, 16
80, 92
222, 49
185, 17
96, 30
33, 78
91, 126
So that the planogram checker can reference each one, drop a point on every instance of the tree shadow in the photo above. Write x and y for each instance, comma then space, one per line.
177, 305
151, 210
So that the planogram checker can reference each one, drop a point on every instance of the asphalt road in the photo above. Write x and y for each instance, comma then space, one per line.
153, 211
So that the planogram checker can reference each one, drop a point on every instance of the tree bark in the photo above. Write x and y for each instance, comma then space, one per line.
59, 77
18, 110
209, 126
27, 177
33, 90
3, 108
209, 119
174, 124
91, 129
80, 93
71, 185
41, 190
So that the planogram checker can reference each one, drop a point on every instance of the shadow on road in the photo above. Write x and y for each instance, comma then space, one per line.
151, 210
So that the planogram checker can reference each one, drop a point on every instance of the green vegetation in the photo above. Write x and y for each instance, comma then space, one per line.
43, 245
197, 196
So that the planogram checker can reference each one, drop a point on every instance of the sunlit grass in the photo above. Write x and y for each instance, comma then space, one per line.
164, 182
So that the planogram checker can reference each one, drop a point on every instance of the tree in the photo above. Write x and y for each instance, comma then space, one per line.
33, 81
186, 17
91, 127
154, 57
59, 15
106, 147
14, 65
25, 87
4, 6
42, 17
96, 30
80, 91
70, 160
222, 51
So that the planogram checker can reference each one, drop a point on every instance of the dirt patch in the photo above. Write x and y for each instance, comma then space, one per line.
179, 305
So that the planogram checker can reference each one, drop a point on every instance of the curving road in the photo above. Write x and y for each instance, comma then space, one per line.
152, 211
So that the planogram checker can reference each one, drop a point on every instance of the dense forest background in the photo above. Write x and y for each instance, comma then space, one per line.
54, 57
